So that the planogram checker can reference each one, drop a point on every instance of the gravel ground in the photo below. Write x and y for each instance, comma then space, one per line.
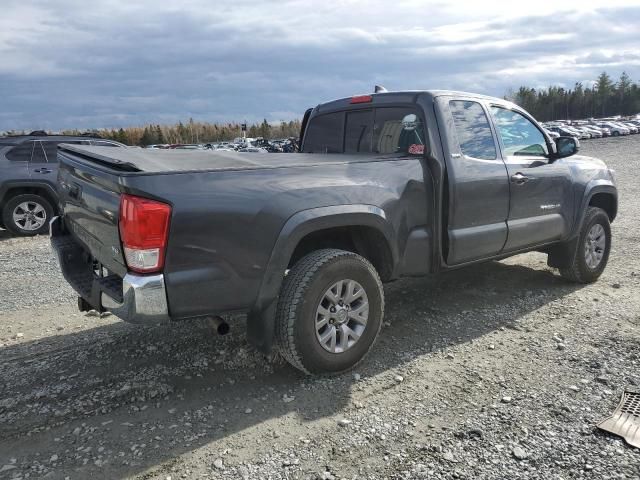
493, 372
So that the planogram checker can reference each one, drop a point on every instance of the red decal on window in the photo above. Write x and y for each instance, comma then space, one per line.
416, 149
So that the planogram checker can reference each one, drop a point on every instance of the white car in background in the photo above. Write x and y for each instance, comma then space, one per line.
631, 126
595, 132
551, 133
582, 135
615, 128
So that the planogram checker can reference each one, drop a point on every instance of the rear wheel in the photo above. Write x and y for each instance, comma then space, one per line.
329, 311
27, 214
592, 252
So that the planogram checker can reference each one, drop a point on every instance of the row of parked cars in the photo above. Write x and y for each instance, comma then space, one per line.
29, 170
251, 145
593, 128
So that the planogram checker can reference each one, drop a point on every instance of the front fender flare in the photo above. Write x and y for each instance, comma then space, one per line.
261, 318
594, 187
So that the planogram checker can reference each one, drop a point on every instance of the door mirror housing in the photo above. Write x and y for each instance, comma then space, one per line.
566, 146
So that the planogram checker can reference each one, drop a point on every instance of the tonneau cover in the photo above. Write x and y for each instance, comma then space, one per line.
158, 161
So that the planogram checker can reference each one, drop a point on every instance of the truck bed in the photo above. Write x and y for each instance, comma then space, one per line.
167, 161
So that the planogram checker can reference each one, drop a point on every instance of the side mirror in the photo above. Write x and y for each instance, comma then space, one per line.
566, 146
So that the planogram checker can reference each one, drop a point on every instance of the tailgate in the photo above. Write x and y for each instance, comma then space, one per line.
90, 204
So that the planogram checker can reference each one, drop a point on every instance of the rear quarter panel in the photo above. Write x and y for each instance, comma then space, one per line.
225, 224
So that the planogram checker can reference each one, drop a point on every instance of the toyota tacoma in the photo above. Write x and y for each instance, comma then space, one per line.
385, 185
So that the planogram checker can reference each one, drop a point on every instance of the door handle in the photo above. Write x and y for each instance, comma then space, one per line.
519, 178
42, 170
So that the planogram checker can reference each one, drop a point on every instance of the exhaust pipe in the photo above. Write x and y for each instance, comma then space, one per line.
219, 325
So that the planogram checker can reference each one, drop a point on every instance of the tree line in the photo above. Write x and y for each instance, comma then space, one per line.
605, 98
193, 132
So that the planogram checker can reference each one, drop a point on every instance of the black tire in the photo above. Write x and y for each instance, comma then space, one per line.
615, 133
302, 292
44, 215
579, 271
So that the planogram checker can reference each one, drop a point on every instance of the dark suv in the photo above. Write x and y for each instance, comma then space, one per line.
28, 172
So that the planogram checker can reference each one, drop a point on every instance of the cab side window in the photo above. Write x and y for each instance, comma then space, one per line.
519, 135
473, 130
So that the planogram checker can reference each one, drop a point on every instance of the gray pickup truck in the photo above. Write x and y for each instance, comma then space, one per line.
386, 185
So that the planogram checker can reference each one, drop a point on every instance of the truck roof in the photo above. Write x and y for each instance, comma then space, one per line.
404, 96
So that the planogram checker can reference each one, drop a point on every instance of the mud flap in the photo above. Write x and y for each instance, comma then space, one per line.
562, 254
260, 327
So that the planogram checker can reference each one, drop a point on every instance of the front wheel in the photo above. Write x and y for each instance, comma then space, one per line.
329, 311
592, 252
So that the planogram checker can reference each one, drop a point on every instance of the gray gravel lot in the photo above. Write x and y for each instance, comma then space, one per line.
494, 372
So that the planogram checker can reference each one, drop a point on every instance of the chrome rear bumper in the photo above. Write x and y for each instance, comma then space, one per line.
135, 298
144, 299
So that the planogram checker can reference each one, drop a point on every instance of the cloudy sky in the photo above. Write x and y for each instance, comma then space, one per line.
111, 63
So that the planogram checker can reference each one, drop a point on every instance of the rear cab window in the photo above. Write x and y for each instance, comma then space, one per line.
380, 130
325, 134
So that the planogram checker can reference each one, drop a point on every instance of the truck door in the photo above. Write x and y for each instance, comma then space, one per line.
541, 191
478, 186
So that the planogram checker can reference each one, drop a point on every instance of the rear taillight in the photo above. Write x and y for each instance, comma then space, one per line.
144, 227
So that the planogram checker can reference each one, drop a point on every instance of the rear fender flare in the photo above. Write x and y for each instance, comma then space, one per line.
28, 185
261, 318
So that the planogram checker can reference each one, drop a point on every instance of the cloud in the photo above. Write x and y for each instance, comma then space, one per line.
117, 63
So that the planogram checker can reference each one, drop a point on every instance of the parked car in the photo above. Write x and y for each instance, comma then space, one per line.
551, 133
615, 129
605, 131
630, 125
565, 131
28, 172
188, 146
253, 150
595, 132
387, 185
581, 133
